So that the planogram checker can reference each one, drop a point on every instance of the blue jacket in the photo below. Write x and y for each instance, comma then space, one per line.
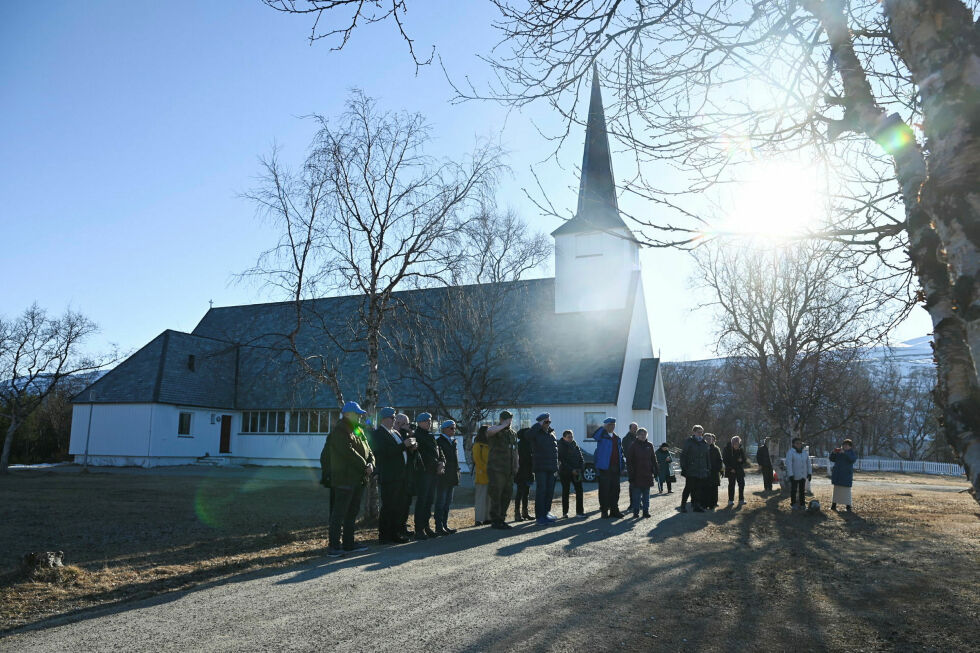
843, 472
544, 449
604, 449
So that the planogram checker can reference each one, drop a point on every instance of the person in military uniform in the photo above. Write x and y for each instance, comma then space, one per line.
447, 481
391, 452
413, 466
351, 464
525, 474
433, 466
501, 468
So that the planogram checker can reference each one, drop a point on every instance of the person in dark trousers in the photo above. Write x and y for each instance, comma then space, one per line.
325, 473
524, 475
842, 475
765, 465
571, 465
501, 469
695, 468
447, 481
664, 472
544, 447
610, 463
391, 453
799, 470
412, 468
735, 463
351, 464
641, 461
433, 466
628, 441
717, 468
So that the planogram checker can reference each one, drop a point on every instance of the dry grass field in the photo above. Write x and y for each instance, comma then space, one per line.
900, 573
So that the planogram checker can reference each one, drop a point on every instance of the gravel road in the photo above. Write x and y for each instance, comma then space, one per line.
476, 590
531, 588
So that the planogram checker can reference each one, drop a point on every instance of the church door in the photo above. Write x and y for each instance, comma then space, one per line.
225, 446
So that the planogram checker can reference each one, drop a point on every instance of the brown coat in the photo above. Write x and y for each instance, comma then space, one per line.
641, 461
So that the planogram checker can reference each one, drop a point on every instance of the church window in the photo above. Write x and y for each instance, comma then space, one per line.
587, 245
592, 423
524, 416
184, 424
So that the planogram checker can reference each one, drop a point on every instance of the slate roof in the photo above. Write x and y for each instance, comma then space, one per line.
240, 362
161, 372
646, 381
598, 209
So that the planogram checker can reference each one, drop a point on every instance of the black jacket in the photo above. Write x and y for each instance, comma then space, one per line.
735, 460
390, 456
545, 448
570, 456
430, 453
628, 441
714, 455
525, 457
325, 463
447, 447
762, 456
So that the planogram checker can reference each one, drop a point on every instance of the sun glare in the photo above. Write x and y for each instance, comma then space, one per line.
776, 199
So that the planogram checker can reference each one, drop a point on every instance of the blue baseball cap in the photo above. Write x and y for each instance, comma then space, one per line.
609, 420
423, 417
353, 407
448, 424
542, 416
387, 411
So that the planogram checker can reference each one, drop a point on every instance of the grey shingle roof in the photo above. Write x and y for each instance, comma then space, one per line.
572, 358
646, 380
161, 372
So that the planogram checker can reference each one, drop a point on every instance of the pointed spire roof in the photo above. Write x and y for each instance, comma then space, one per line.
597, 206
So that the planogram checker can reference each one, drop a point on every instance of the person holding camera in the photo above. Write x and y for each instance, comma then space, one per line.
842, 475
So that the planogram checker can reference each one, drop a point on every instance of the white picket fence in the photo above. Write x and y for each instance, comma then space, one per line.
898, 465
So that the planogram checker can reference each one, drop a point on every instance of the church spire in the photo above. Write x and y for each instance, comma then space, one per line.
597, 206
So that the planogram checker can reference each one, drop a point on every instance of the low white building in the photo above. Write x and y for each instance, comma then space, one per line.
228, 390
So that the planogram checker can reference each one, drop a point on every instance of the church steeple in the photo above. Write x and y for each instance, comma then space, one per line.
598, 209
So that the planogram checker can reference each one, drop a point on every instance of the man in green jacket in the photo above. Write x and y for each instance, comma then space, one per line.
501, 467
351, 464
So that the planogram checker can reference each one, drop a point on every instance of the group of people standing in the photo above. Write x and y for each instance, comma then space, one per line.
703, 465
412, 462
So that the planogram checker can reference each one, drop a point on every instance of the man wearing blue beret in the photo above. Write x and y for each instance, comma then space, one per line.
609, 461
433, 465
392, 456
447, 481
351, 464
545, 456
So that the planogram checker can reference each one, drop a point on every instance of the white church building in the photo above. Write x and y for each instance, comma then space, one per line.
225, 392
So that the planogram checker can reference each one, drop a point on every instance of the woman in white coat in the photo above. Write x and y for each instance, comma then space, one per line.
799, 469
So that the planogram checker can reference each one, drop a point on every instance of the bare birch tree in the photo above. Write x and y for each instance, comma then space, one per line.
458, 347
38, 356
794, 321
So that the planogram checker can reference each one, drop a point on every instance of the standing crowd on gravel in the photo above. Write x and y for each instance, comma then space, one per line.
413, 462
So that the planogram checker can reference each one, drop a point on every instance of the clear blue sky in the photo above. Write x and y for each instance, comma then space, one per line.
129, 130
